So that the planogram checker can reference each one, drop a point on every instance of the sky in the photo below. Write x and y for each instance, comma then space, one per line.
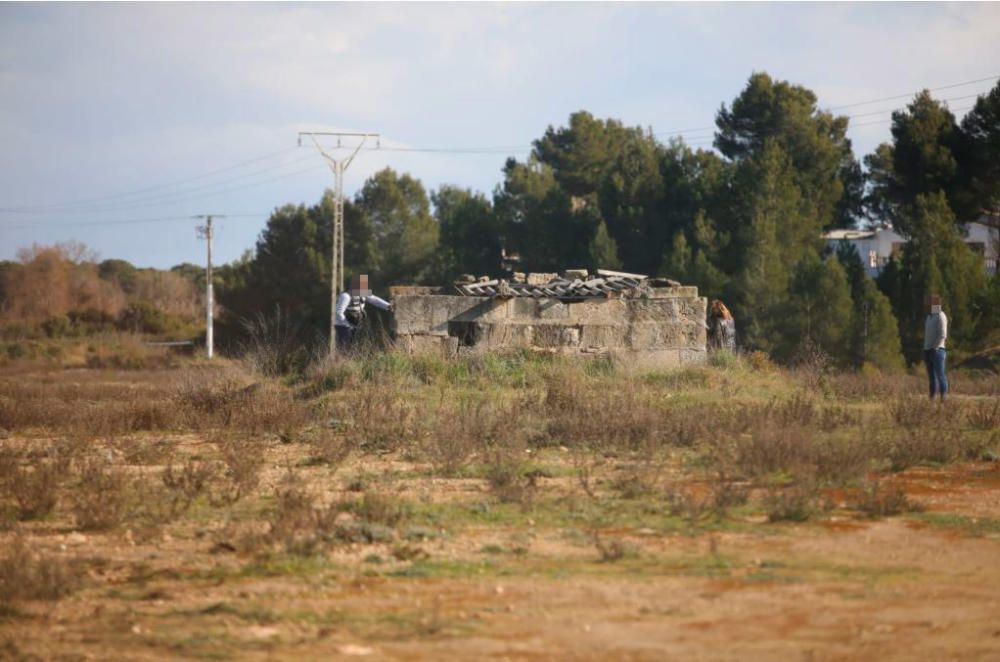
119, 122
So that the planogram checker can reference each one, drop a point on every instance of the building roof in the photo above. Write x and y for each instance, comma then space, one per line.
849, 234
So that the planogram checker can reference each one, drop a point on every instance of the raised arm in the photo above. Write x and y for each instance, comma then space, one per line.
378, 302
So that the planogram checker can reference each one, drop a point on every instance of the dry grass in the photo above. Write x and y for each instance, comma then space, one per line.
796, 502
27, 575
984, 414
103, 496
33, 487
879, 499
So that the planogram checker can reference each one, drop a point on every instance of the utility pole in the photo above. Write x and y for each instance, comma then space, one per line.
337, 166
205, 232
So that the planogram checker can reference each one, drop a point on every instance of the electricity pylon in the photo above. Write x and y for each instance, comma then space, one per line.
337, 166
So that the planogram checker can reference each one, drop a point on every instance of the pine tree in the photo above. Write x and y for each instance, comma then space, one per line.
818, 312
692, 267
603, 249
937, 261
874, 332
770, 235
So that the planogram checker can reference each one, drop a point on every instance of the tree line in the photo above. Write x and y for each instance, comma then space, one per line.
742, 221
63, 290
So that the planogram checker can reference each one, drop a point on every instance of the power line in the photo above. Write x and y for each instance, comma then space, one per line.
154, 187
166, 197
198, 196
910, 94
893, 110
131, 221
890, 119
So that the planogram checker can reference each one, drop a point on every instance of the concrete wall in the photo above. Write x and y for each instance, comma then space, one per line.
665, 328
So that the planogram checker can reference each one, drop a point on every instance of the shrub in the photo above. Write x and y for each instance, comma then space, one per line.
143, 317
571, 401
103, 496
274, 345
771, 450
25, 575
984, 415
381, 417
928, 445
455, 430
187, 482
878, 499
36, 489
761, 362
724, 359
379, 508
242, 462
610, 551
911, 412
795, 503
57, 326
508, 477
296, 523
330, 447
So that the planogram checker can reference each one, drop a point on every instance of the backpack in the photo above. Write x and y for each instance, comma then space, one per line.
355, 312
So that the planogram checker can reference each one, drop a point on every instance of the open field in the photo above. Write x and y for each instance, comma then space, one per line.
506, 507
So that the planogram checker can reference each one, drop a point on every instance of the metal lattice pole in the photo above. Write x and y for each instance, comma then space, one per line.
337, 167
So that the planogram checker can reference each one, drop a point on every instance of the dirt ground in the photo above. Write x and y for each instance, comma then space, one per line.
922, 587
467, 578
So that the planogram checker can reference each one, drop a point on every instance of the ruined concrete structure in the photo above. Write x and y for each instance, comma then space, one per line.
653, 325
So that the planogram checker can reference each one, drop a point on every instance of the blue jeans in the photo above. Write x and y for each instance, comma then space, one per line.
934, 359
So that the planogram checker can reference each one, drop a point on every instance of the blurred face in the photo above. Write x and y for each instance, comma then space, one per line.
933, 303
359, 285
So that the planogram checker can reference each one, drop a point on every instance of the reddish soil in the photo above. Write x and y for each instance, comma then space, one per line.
908, 588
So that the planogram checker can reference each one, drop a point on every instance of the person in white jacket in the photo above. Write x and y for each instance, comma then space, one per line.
351, 310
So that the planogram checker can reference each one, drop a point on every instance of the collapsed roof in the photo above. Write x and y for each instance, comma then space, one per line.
580, 286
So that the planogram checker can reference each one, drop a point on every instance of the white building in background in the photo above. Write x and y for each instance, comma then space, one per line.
875, 247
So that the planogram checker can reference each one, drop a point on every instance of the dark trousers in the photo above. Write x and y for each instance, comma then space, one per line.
934, 360
345, 337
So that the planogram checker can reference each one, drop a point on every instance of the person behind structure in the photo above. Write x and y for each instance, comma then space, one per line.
721, 327
351, 311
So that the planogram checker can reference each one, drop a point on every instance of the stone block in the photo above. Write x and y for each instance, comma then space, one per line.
610, 336
419, 344
511, 335
555, 336
523, 309
541, 278
664, 311
410, 290
651, 335
682, 292
599, 311
551, 309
